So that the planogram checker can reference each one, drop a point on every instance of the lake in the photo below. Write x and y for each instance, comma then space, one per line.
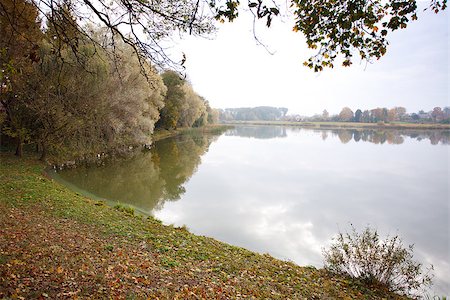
287, 191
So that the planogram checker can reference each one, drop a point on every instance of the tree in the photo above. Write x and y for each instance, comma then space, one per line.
170, 113
140, 24
400, 113
183, 106
358, 115
396, 113
19, 37
446, 112
346, 114
283, 111
385, 114
391, 115
62, 90
83, 110
365, 116
73, 103
193, 107
266, 113
66, 89
437, 114
133, 104
213, 114
378, 115
349, 27
325, 114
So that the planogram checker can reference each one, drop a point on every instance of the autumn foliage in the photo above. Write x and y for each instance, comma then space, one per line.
75, 96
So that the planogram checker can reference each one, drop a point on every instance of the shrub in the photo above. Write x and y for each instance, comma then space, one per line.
124, 208
374, 261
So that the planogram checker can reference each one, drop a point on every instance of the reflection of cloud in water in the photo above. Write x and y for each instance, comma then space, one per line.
294, 194
253, 228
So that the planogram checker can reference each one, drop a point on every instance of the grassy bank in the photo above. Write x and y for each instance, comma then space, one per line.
349, 125
57, 244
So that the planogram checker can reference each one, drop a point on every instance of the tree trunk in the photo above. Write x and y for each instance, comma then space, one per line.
19, 148
44, 153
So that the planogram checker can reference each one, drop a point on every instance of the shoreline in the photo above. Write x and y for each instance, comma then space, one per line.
56, 243
345, 125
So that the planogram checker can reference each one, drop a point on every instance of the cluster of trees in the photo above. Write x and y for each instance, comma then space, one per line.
183, 107
395, 114
72, 97
372, 115
260, 113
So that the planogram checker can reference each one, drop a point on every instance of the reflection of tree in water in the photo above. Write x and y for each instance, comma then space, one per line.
376, 136
258, 132
133, 181
345, 136
357, 136
390, 136
147, 180
178, 160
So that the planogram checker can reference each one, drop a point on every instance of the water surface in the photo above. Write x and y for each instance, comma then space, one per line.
287, 191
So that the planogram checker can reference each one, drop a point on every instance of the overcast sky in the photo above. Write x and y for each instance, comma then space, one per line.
231, 70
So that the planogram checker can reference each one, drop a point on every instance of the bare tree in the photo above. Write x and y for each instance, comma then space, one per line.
141, 24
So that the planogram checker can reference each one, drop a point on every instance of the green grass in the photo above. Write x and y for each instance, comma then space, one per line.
124, 208
125, 254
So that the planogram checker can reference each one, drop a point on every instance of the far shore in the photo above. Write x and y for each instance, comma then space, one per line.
349, 125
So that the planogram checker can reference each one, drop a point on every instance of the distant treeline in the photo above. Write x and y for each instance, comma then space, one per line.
76, 97
395, 114
260, 113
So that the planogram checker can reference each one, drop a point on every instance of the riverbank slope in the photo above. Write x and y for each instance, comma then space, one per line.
57, 244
